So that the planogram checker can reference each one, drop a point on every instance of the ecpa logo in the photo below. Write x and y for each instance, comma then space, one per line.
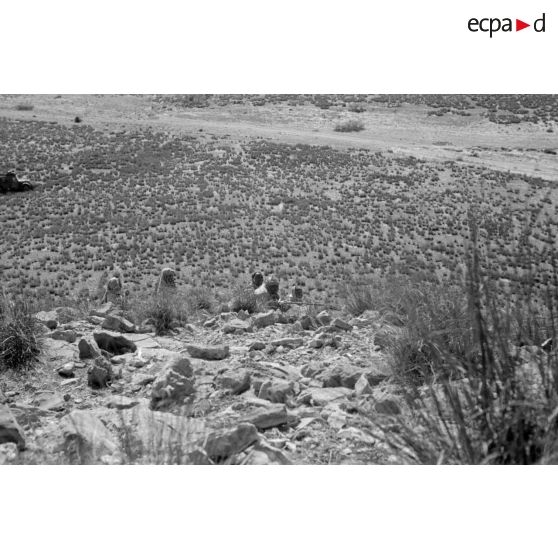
492, 25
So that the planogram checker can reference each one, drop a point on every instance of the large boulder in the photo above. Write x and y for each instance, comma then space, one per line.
214, 352
10, 431
174, 382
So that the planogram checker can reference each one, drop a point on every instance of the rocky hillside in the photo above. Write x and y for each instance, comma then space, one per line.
270, 388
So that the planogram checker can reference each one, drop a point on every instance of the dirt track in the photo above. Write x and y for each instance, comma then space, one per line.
405, 131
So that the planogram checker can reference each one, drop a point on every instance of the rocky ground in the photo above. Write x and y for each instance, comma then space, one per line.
271, 388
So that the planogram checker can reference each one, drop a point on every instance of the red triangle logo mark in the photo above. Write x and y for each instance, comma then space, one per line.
519, 25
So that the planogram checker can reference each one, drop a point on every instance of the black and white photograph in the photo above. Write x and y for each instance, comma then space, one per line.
279, 279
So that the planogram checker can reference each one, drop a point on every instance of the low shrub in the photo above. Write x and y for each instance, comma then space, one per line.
24, 106
19, 336
349, 126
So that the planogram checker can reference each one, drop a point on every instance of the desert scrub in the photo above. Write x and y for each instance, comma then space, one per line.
24, 106
200, 298
244, 298
493, 400
349, 126
164, 311
19, 336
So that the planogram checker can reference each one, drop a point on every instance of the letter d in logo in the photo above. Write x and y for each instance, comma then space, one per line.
539, 25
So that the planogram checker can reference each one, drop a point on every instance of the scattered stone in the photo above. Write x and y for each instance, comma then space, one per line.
10, 431
311, 370
102, 311
289, 342
49, 319
264, 319
49, 401
114, 344
67, 371
265, 454
99, 376
215, 352
307, 323
234, 381
277, 391
341, 324
316, 344
270, 417
212, 322
362, 387
237, 326
69, 382
221, 444
174, 382
67, 335
116, 323
323, 396
256, 346
323, 318
342, 374
88, 349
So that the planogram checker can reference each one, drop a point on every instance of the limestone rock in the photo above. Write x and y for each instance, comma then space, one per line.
102, 311
237, 326
116, 323
88, 348
341, 324
224, 443
277, 391
262, 453
49, 319
289, 342
99, 375
174, 382
264, 319
10, 431
323, 396
270, 417
67, 371
113, 343
67, 335
234, 381
49, 401
362, 387
215, 352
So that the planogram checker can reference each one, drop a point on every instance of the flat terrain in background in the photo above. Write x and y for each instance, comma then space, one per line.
220, 186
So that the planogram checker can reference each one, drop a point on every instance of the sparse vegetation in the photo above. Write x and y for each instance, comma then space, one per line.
478, 396
349, 126
19, 338
24, 106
